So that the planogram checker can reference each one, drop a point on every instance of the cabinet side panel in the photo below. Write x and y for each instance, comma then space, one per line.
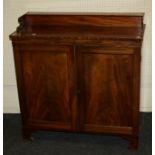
20, 83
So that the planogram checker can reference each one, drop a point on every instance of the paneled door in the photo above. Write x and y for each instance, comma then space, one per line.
48, 81
105, 78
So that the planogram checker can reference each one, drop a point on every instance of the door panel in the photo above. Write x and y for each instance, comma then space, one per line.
47, 73
106, 82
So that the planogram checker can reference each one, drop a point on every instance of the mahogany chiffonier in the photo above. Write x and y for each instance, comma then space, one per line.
79, 73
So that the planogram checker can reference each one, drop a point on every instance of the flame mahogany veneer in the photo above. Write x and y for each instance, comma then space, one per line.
79, 73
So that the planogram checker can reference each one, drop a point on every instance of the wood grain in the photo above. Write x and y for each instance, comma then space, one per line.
47, 83
106, 85
90, 20
80, 26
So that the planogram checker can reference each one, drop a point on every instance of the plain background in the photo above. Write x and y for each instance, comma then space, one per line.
15, 8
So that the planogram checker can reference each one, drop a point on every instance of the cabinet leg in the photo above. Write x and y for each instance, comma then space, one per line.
133, 143
27, 135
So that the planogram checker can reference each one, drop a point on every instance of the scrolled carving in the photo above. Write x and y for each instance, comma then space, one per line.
22, 25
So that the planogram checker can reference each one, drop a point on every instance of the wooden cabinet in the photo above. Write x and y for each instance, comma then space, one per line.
79, 73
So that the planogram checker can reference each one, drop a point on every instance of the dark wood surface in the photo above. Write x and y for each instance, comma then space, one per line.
104, 76
48, 78
79, 26
79, 73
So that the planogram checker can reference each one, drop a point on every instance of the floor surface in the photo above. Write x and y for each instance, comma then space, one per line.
59, 143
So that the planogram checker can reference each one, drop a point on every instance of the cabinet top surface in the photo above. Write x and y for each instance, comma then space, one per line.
88, 13
80, 25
